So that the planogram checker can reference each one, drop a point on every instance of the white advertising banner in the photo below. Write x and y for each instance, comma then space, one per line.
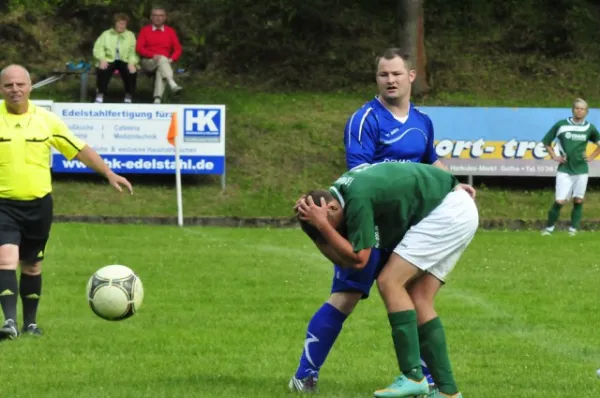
132, 138
46, 104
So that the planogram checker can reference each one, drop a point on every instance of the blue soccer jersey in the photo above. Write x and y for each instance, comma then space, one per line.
374, 135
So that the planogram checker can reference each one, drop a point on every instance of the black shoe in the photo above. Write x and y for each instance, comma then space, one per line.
32, 330
9, 330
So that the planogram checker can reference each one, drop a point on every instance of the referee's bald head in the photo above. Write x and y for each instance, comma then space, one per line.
14, 69
15, 86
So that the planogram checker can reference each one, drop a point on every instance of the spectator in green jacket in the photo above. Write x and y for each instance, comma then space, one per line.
114, 51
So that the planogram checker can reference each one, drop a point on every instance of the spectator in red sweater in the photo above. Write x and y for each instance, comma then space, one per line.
158, 47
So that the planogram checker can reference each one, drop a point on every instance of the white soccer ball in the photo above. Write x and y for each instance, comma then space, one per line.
115, 292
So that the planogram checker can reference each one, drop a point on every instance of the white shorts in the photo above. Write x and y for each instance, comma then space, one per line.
436, 243
570, 186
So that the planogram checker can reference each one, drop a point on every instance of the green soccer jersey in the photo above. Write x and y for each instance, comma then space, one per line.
572, 142
387, 199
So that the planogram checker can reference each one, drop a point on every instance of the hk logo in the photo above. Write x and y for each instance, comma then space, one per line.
202, 124
202, 121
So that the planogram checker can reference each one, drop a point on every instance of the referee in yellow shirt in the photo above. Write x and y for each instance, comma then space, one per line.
27, 133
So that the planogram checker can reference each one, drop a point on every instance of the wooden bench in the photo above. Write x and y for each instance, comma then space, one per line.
57, 75
84, 73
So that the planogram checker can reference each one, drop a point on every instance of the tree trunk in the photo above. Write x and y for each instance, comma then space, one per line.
411, 37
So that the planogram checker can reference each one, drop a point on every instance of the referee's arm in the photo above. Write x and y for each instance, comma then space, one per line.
71, 146
91, 159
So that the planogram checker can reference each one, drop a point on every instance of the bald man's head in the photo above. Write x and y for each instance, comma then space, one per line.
14, 68
15, 84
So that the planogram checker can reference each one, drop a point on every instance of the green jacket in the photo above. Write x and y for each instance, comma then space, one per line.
105, 47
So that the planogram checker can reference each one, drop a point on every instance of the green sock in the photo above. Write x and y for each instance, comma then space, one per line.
554, 214
435, 355
576, 214
406, 343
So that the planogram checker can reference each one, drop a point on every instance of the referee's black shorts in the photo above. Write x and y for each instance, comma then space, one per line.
26, 223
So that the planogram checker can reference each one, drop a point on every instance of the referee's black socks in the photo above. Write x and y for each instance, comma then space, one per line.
31, 290
9, 293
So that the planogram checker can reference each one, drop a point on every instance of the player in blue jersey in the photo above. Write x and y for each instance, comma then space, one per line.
388, 128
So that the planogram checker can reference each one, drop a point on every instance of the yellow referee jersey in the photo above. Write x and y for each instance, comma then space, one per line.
25, 150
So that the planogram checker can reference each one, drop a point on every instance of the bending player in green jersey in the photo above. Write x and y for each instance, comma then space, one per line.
572, 135
427, 219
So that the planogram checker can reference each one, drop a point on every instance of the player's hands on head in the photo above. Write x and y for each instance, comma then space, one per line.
310, 212
298, 202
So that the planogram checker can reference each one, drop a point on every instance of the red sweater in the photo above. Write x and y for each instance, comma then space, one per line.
158, 42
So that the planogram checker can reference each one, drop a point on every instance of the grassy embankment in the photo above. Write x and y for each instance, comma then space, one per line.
281, 144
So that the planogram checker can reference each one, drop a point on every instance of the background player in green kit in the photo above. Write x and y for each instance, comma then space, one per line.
572, 135
427, 219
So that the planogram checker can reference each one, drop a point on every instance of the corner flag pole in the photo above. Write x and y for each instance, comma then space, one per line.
173, 138
178, 184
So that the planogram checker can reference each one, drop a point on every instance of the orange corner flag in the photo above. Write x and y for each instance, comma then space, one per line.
172, 134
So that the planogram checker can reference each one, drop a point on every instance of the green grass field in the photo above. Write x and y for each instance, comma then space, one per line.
225, 314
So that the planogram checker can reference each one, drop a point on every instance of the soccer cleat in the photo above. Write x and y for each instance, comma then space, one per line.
546, 232
307, 385
9, 330
32, 330
403, 387
572, 231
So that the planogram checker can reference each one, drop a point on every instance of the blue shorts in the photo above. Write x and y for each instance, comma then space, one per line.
348, 280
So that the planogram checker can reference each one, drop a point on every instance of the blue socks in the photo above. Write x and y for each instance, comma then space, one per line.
426, 372
323, 330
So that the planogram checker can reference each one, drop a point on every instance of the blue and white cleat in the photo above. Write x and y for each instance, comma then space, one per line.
307, 385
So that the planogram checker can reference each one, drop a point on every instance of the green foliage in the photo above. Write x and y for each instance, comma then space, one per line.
39, 6
317, 44
563, 28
